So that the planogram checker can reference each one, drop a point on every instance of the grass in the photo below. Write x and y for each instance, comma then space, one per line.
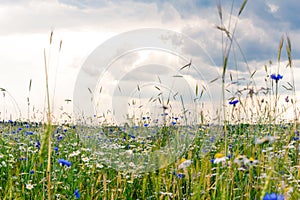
252, 154
254, 165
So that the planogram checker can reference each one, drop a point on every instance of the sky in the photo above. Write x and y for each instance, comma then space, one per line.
83, 26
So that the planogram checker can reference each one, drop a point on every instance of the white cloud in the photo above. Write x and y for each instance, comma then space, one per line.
273, 8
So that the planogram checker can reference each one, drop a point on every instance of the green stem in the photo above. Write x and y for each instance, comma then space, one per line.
48, 132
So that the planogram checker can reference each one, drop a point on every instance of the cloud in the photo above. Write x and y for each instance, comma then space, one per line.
84, 25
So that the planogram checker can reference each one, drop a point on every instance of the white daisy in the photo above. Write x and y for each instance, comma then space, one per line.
219, 157
29, 186
250, 161
185, 164
85, 159
99, 165
267, 139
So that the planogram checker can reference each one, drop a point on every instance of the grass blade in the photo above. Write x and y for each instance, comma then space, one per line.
51, 36
214, 80
60, 45
159, 79
222, 28
280, 48
220, 11
242, 7
289, 51
90, 90
177, 76
30, 82
253, 74
187, 65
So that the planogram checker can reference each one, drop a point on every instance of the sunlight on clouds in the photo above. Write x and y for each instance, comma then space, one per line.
272, 7
83, 27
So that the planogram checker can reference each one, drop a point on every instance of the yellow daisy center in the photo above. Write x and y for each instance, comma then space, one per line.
251, 159
219, 155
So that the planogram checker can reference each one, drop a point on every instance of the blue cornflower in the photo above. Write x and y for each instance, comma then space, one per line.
146, 125
56, 150
296, 137
287, 99
37, 144
276, 77
32, 172
77, 194
234, 102
29, 133
59, 137
273, 196
64, 162
132, 136
173, 123
180, 175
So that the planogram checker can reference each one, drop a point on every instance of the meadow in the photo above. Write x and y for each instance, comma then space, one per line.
254, 167
253, 153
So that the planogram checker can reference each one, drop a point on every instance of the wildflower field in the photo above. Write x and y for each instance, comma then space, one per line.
256, 166
252, 152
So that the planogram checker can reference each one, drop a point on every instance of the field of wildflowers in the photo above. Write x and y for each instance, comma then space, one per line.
253, 152
260, 163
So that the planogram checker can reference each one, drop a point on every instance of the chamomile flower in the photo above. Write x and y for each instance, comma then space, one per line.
240, 159
85, 159
288, 191
29, 186
166, 193
74, 153
267, 139
250, 161
99, 165
185, 164
219, 157
3, 163
129, 152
